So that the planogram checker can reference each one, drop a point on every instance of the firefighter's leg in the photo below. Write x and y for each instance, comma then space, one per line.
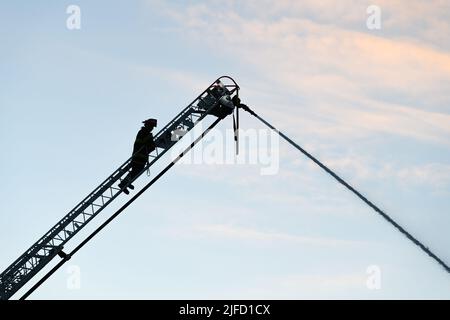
136, 169
137, 165
124, 184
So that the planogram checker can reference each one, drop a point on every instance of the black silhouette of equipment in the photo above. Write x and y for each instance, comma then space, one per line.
219, 100
214, 101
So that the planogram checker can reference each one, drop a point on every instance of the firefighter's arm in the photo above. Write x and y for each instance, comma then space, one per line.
151, 142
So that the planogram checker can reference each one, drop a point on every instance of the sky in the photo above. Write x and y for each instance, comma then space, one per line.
372, 104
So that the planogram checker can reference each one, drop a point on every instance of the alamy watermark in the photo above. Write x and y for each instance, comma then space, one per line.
73, 281
373, 21
256, 147
73, 21
373, 281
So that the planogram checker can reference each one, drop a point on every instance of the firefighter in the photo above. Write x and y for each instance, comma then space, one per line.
143, 146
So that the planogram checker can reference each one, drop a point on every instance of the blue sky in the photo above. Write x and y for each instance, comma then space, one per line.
372, 104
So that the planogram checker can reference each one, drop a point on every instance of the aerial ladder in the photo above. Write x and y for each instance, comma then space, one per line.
219, 100
216, 101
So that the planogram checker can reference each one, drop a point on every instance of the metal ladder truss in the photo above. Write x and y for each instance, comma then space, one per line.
51, 244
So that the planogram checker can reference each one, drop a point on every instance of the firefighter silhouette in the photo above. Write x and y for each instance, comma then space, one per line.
143, 146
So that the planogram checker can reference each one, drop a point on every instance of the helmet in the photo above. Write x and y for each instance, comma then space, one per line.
150, 122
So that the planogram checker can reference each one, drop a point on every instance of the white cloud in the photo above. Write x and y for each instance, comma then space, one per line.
430, 175
434, 174
239, 233
352, 78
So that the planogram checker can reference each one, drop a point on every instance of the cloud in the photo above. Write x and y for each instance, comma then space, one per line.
414, 20
431, 175
361, 83
434, 174
180, 78
239, 233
